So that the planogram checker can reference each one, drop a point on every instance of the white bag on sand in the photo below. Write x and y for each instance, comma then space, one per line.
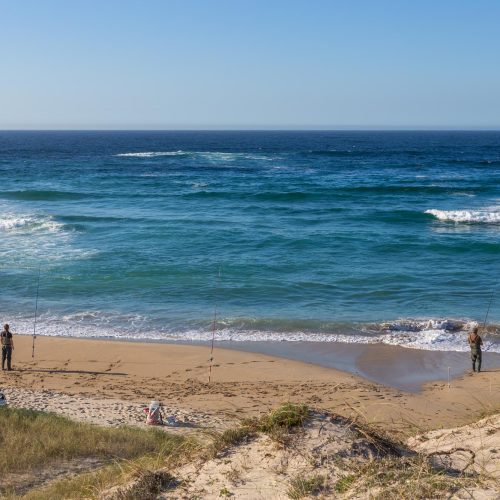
171, 421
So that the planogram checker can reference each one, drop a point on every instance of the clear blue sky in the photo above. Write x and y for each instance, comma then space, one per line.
249, 64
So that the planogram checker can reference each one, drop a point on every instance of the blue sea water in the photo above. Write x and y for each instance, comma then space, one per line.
349, 236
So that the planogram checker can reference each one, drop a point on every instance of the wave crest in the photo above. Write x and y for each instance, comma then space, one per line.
207, 155
422, 334
29, 223
467, 216
152, 154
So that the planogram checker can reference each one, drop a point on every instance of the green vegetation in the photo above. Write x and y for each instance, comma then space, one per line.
148, 486
398, 472
276, 424
225, 493
301, 487
230, 438
279, 424
343, 485
287, 416
148, 483
86, 485
137, 461
412, 477
37, 438
42, 440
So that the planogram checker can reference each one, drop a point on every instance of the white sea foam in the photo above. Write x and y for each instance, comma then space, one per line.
208, 155
153, 154
487, 216
430, 334
28, 223
422, 334
29, 237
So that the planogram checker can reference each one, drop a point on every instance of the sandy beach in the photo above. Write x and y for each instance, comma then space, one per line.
110, 382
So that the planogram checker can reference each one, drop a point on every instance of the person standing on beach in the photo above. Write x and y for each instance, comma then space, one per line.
475, 342
7, 347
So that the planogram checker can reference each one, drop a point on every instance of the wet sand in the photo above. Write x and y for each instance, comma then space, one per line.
393, 366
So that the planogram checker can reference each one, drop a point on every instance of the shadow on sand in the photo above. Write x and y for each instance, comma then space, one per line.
79, 372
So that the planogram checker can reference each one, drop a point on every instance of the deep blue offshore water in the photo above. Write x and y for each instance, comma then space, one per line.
350, 236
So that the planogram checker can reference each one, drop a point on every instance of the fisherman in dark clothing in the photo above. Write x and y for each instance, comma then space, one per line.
475, 342
7, 347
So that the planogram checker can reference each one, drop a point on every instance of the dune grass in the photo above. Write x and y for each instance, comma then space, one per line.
147, 483
396, 472
287, 416
83, 485
301, 487
146, 457
275, 424
37, 439
413, 477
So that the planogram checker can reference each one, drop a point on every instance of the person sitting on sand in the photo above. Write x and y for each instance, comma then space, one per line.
475, 342
7, 347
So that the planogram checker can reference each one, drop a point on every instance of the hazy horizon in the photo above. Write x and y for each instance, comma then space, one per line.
257, 129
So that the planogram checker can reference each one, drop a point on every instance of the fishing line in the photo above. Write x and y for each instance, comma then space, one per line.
486, 317
36, 311
214, 326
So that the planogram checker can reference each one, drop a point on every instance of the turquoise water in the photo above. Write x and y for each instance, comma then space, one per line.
350, 236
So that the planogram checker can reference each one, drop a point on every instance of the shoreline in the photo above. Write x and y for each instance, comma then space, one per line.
403, 368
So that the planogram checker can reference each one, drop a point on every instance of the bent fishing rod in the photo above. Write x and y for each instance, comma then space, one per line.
214, 327
36, 311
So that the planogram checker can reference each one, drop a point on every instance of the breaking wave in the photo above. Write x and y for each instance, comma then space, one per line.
467, 216
207, 155
421, 334
152, 154
28, 223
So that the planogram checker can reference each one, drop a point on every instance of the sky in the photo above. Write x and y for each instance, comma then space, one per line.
238, 64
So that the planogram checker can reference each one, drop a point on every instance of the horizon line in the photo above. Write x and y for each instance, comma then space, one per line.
263, 129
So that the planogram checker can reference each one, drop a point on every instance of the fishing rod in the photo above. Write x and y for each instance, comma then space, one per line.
214, 327
486, 317
36, 311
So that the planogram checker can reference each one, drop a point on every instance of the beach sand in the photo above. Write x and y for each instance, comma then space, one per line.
393, 366
78, 376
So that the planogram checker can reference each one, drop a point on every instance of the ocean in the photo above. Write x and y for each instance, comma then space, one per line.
358, 237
